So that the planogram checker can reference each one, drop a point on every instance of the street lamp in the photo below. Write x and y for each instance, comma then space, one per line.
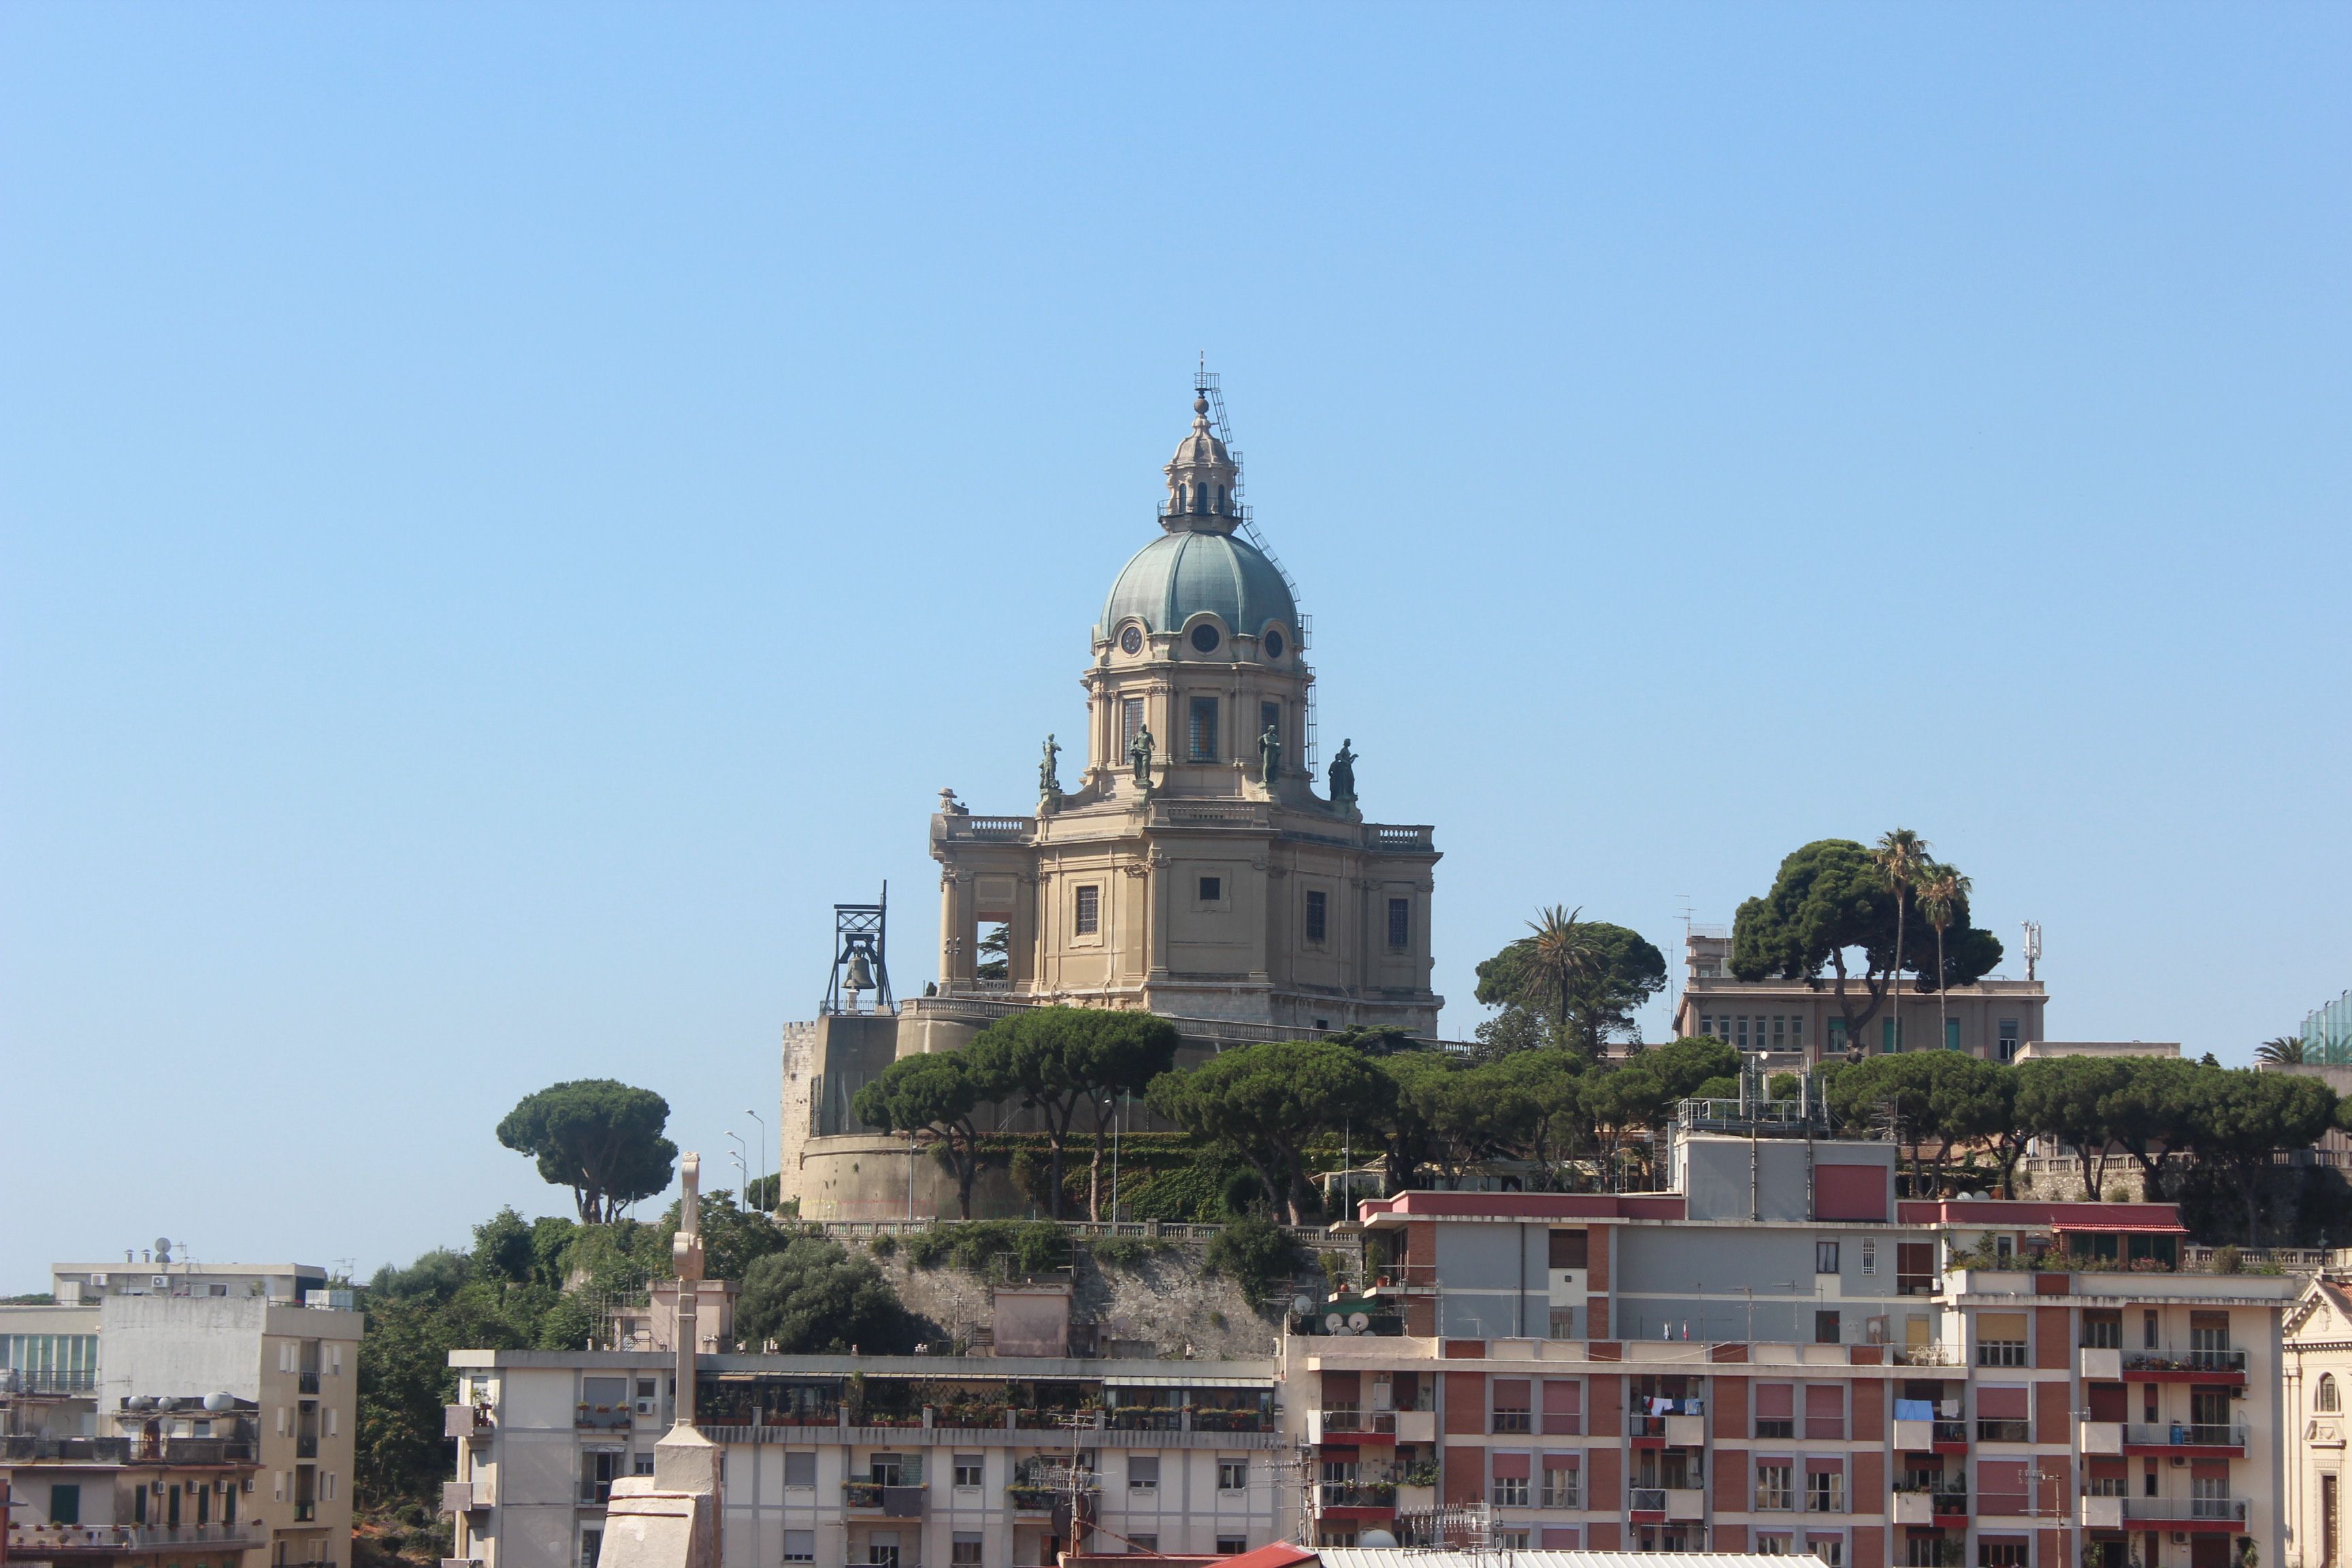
763, 1156
741, 1167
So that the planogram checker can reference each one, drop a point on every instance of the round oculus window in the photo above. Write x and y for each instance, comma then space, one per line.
1274, 645
1204, 638
1130, 641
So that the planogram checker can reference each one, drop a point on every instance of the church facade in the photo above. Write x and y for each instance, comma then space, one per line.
1192, 867
1193, 870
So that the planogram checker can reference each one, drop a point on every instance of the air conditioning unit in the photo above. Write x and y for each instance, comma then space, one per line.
2179, 1460
99, 1280
159, 1282
2180, 1538
2237, 1393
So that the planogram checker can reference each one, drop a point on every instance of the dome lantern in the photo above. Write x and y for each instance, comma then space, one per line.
1201, 481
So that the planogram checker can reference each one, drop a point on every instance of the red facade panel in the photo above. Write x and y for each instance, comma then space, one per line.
1466, 1402
1869, 1547
1607, 1416
1604, 1475
1850, 1192
1465, 1475
1869, 1409
1730, 1481
2053, 1339
2053, 1414
1731, 1408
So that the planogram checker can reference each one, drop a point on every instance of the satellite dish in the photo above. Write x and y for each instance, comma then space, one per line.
163, 1250
216, 1403
1359, 1322
1334, 1325
140, 1402
1302, 1306
1377, 1540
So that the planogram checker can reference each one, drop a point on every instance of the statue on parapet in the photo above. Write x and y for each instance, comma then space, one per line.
1049, 782
1139, 755
1343, 776
1269, 755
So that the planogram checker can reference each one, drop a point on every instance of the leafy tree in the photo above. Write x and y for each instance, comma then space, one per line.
1065, 1061
502, 1249
2147, 1113
1256, 1254
1515, 1028
1938, 1099
1583, 979
602, 1138
813, 1299
1899, 855
934, 1097
1975, 1101
1830, 899
1540, 1090
2280, 1050
1265, 1101
1644, 1091
2066, 1099
760, 1192
2238, 1118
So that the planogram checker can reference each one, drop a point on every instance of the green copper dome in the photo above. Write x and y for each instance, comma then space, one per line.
1180, 575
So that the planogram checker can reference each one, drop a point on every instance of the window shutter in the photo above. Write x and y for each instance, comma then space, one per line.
1776, 1401
1512, 1466
1999, 1401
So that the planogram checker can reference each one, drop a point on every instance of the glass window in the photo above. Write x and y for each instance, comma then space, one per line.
591, 1542
1825, 1327
1317, 918
800, 1467
1203, 742
1796, 1034
1130, 722
1890, 1038
967, 1469
2008, 1038
1144, 1542
1825, 1257
1510, 1491
1400, 923
1233, 1475
963, 1551
1869, 1256
641, 1464
2323, 1397
1773, 1491
1142, 1473
1269, 717
1232, 1545
65, 1502
799, 1545
1088, 919
1951, 1033
1212, 889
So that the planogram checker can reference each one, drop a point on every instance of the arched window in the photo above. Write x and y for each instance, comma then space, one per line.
2322, 1398
1221, 500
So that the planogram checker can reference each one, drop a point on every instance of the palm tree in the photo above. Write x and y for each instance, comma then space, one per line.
2281, 1050
1562, 956
1942, 891
1900, 855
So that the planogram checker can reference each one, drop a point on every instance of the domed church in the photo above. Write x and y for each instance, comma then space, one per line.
1192, 867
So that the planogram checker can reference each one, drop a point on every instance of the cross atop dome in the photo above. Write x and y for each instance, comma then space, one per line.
1201, 481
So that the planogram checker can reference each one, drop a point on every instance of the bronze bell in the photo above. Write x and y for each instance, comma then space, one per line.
861, 974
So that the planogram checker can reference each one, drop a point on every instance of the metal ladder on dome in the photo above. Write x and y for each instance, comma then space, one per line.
1205, 385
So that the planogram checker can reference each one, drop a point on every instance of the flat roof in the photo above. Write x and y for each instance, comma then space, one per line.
2157, 1219
1421, 1204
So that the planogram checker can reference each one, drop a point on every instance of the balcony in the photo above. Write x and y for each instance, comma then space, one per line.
1350, 1424
2210, 1511
2169, 1365
1914, 1508
1914, 1436
307, 1382
601, 1417
305, 1445
305, 1511
2099, 1437
1356, 1494
468, 1422
2104, 1363
1951, 1434
2166, 1436
1932, 1353
45, 1539
1416, 1426
1685, 1431
465, 1497
1648, 1500
2100, 1513
889, 1501
1685, 1503
1032, 1500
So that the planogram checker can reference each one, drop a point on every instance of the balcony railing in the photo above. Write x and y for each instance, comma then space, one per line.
2179, 1435
2218, 1509
601, 1417
28, 1449
305, 1445
2184, 1361
307, 1382
1333, 1420
1649, 1500
1146, 1418
1950, 1432
45, 1538
1933, 1353
306, 1511
22, 1380
1357, 1494
465, 1421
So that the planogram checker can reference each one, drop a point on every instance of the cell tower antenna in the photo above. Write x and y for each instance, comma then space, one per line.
1205, 385
2033, 946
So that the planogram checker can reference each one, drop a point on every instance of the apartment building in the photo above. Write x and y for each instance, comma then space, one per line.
1795, 1022
1778, 1356
151, 1417
899, 1462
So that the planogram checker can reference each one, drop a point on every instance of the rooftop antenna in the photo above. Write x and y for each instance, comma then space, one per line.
2033, 946
1205, 385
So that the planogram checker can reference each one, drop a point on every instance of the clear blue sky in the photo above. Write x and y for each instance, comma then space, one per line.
506, 515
